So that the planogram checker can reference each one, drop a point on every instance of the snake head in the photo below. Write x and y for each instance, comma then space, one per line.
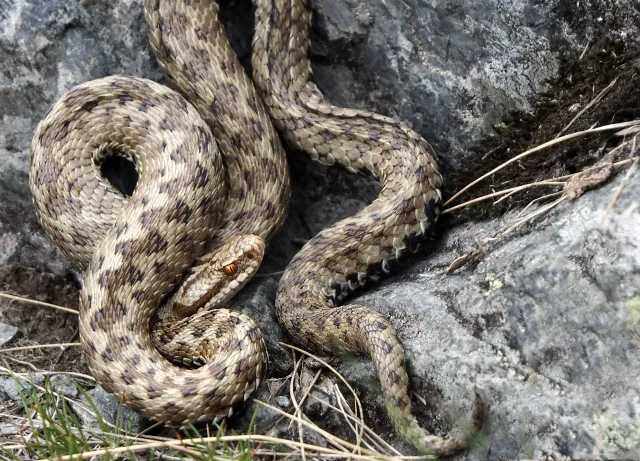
219, 276
238, 259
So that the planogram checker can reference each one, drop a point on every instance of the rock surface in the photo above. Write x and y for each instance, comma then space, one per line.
111, 411
7, 333
13, 387
544, 326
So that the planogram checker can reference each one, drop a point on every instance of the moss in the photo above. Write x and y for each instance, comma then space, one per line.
633, 306
494, 283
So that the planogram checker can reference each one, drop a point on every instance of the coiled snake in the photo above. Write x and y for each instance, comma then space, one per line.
213, 181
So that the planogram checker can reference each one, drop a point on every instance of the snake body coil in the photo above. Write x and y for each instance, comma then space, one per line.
193, 198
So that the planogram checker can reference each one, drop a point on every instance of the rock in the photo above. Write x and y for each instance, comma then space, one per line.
252, 417
545, 326
65, 385
7, 333
314, 406
115, 413
9, 429
453, 70
85, 412
283, 402
316, 409
292, 432
13, 386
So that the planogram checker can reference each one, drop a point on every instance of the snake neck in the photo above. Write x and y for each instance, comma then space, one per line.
350, 256
369, 244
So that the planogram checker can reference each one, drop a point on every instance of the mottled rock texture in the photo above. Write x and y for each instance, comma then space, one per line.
545, 325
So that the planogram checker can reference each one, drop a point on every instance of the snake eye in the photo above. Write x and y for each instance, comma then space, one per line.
230, 269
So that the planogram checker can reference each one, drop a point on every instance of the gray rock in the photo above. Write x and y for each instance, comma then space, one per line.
65, 385
9, 429
86, 412
292, 432
283, 402
254, 417
115, 413
314, 407
13, 386
7, 333
545, 326
453, 70
257, 301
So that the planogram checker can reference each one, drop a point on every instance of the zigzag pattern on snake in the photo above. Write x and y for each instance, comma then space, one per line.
213, 180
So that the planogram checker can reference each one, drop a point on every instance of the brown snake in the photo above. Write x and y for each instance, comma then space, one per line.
213, 180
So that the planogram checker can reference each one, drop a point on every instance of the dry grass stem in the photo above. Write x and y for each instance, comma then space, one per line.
536, 200
38, 303
615, 126
325, 434
334, 371
552, 182
374, 438
534, 214
618, 191
175, 444
298, 412
508, 192
38, 346
357, 427
7, 372
591, 103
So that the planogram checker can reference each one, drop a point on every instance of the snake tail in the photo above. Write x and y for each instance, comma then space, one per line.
357, 250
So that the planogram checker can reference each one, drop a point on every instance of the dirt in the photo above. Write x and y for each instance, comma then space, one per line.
42, 325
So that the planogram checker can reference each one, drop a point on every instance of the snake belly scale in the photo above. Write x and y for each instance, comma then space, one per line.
213, 188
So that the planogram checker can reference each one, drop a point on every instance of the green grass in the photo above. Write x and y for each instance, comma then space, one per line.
51, 429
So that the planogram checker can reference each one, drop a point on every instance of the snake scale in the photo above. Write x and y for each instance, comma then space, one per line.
213, 188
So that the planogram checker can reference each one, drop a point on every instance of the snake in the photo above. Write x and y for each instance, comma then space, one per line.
161, 265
